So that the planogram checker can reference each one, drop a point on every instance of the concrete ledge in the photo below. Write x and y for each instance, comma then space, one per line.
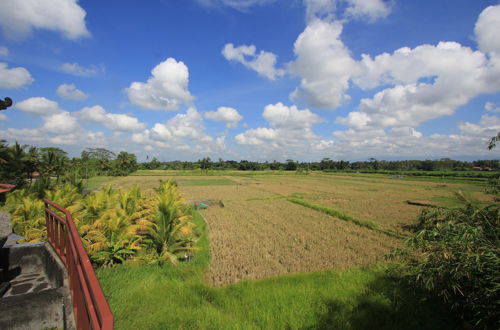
37, 310
48, 308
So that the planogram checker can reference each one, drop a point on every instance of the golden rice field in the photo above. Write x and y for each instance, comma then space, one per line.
259, 233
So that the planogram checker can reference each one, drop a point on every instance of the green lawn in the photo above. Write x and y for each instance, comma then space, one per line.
153, 297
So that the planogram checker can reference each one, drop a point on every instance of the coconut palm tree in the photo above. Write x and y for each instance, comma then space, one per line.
169, 231
17, 158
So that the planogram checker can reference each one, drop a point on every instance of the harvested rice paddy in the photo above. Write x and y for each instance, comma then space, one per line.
257, 232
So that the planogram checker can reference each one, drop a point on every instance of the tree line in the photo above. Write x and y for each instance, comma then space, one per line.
326, 164
20, 164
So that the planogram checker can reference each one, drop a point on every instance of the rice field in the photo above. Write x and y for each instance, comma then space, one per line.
256, 232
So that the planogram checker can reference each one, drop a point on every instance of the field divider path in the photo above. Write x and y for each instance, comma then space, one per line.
363, 223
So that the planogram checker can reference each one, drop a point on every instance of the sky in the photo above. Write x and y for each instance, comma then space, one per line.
253, 79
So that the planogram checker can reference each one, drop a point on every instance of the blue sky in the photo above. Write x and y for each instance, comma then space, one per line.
253, 79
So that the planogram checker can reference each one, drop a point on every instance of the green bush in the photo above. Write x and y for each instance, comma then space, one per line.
455, 255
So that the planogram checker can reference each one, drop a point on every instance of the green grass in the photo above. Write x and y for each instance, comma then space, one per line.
334, 213
168, 297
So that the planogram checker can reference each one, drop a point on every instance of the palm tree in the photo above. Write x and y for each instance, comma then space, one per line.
169, 231
125, 163
16, 163
31, 162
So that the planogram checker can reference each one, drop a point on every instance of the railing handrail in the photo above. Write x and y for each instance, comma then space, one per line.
89, 304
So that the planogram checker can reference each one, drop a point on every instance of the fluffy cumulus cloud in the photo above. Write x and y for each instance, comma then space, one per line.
82, 71
14, 77
3, 117
227, 115
39, 106
289, 135
264, 63
166, 89
324, 64
70, 92
115, 122
487, 27
413, 85
18, 18
241, 5
64, 127
281, 116
4, 51
183, 132
60, 123
427, 82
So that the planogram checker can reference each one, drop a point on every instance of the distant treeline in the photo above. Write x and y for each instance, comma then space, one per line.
19, 163
22, 163
326, 164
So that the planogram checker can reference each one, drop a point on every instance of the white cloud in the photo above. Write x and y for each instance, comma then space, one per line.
486, 30
60, 123
370, 10
227, 115
428, 82
256, 136
166, 89
39, 106
367, 10
290, 134
183, 132
325, 65
24, 135
116, 122
264, 63
39, 136
70, 92
15, 77
491, 107
3, 117
241, 5
406, 142
281, 116
82, 71
4, 51
320, 9
487, 127
423, 83
19, 17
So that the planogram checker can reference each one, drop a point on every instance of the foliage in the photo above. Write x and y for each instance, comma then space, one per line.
493, 141
167, 228
20, 164
455, 255
115, 225
436, 167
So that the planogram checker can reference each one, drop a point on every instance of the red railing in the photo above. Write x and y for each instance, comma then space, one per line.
89, 304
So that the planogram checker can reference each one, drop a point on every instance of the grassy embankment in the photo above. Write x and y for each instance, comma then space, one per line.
152, 297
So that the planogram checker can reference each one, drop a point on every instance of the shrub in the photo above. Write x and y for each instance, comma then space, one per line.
455, 255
